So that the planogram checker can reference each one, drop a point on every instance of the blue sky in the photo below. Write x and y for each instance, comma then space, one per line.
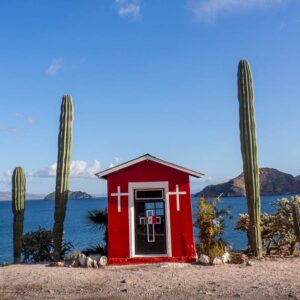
147, 76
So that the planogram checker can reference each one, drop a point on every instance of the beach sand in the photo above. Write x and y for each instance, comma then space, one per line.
277, 278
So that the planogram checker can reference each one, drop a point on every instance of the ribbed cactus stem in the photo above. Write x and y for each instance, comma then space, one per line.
18, 206
63, 172
249, 154
296, 218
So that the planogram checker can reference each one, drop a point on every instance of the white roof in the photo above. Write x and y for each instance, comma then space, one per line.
104, 173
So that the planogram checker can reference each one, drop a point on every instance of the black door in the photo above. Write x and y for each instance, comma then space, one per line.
150, 222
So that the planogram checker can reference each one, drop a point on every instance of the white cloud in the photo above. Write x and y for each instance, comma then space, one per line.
7, 129
115, 162
30, 120
46, 172
207, 10
79, 169
5, 178
8, 173
130, 8
55, 66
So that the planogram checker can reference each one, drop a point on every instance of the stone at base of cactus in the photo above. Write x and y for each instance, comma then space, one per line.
296, 218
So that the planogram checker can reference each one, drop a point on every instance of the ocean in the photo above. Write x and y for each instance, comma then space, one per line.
82, 234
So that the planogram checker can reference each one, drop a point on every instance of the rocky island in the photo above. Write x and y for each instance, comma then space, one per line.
272, 182
77, 195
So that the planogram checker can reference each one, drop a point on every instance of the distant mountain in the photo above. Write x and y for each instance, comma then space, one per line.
272, 182
4, 196
72, 196
103, 195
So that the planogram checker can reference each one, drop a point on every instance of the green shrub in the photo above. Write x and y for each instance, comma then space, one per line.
216, 250
98, 249
37, 246
5, 264
277, 229
73, 255
211, 224
98, 219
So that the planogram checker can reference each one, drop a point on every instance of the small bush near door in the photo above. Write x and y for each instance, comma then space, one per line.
211, 224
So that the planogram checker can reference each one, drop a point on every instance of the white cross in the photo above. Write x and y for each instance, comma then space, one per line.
119, 194
177, 193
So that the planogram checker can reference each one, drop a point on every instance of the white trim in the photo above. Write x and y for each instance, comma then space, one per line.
149, 185
104, 173
177, 193
119, 194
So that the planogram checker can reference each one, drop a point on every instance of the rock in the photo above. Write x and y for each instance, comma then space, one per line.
95, 264
207, 293
102, 261
82, 260
226, 257
89, 262
57, 264
51, 292
238, 258
75, 263
217, 261
204, 259
249, 263
124, 290
123, 281
95, 257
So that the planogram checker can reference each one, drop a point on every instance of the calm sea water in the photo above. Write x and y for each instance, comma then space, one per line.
80, 232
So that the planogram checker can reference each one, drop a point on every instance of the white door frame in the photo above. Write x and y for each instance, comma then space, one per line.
148, 185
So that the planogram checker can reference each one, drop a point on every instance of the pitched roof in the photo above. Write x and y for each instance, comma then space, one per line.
103, 174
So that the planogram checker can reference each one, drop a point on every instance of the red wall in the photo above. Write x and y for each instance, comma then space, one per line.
183, 247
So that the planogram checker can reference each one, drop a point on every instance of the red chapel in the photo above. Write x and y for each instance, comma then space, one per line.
149, 212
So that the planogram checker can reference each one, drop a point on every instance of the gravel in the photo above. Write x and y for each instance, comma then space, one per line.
267, 279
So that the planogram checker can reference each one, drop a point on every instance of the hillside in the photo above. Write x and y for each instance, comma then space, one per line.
272, 182
72, 196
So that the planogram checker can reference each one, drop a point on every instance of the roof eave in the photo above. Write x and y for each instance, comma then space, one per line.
105, 173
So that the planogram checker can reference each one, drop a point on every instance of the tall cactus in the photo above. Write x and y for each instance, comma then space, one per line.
249, 154
18, 206
63, 172
296, 218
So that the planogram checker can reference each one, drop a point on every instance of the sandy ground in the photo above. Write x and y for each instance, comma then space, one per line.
271, 279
